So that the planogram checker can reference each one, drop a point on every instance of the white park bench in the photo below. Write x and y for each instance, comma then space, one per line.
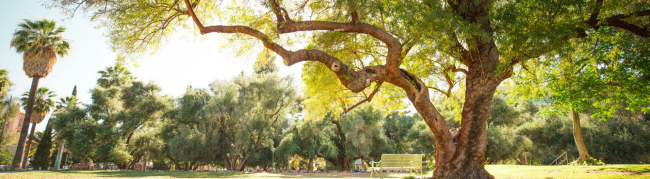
397, 162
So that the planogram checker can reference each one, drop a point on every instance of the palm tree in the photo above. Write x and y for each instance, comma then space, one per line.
40, 42
67, 102
42, 105
4, 83
114, 76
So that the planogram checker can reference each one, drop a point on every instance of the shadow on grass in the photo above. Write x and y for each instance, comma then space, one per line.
628, 168
122, 174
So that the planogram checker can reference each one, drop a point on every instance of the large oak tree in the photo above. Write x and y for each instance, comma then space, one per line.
411, 45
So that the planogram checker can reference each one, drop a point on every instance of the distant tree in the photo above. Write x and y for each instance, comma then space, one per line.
39, 42
421, 139
248, 110
397, 127
116, 75
623, 139
43, 104
78, 130
608, 72
306, 139
67, 102
187, 118
43, 150
108, 124
357, 135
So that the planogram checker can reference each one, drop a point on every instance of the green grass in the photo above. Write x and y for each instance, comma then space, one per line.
499, 171
608, 171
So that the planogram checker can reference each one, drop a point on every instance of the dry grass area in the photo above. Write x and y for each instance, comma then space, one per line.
499, 171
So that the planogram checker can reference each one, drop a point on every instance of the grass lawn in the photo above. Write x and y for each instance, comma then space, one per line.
499, 171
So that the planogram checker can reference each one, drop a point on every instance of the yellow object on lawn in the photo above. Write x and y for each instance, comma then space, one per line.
397, 162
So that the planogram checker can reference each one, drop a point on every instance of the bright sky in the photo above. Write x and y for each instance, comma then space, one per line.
176, 65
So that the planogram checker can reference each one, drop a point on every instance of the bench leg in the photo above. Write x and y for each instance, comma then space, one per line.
371, 173
381, 174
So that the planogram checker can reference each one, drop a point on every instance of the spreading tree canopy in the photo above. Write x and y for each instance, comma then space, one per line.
413, 47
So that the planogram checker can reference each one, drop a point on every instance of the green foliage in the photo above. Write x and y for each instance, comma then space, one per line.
592, 161
603, 73
504, 144
42, 101
157, 165
34, 37
6, 157
5, 83
397, 128
67, 102
503, 114
43, 150
8, 109
408, 177
306, 139
421, 139
117, 75
117, 125
431, 163
265, 63
236, 120
365, 135
618, 140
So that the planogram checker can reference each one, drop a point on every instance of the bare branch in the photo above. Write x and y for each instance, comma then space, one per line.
368, 99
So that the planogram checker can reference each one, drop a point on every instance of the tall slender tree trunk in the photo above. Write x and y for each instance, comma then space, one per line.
344, 163
16, 164
577, 136
28, 146
145, 163
311, 164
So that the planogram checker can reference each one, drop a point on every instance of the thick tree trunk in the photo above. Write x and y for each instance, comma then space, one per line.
28, 146
464, 157
577, 135
16, 164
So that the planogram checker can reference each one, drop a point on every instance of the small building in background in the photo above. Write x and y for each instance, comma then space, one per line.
14, 125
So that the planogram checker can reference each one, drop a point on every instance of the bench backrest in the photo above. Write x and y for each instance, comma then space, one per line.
406, 161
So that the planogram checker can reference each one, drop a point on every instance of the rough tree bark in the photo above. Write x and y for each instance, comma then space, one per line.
28, 146
577, 136
16, 164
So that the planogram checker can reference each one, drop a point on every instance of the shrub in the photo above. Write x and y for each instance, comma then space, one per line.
592, 161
